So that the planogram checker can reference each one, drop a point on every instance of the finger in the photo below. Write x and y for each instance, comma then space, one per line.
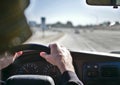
44, 55
17, 54
54, 48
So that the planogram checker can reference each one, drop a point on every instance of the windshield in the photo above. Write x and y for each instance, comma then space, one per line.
74, 24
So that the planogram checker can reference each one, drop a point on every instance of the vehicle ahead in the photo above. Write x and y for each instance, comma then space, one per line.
77, 32
92, 64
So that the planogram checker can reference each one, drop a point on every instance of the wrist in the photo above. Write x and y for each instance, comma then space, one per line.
64, 68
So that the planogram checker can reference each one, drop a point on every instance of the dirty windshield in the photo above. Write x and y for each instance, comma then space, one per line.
74, 24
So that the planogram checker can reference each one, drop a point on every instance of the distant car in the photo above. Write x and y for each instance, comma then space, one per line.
77, 32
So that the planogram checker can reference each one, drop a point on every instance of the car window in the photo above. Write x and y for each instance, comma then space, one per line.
74, 24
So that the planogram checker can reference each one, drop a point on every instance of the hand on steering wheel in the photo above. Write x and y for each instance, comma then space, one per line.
17, 54
59, 57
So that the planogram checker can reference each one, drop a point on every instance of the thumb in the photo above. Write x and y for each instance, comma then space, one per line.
43, 55
17, 54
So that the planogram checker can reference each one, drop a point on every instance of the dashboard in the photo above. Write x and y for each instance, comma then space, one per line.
92, 69
107, 73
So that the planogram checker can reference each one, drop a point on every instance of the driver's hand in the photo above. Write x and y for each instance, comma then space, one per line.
17, 54
59, 57
7, 59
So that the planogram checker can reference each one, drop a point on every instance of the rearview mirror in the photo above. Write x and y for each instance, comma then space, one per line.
104, 2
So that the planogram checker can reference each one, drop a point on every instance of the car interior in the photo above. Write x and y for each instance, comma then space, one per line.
92, 68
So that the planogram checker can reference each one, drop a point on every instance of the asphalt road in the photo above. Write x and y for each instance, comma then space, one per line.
97, 40
86, 40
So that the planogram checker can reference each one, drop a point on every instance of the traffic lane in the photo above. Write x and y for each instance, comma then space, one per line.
109, 40
86, 40
99, 40
76, 42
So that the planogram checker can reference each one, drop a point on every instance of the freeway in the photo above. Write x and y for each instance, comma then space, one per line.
96, 40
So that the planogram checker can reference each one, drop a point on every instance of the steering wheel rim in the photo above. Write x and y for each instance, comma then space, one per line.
30, 47
29, 50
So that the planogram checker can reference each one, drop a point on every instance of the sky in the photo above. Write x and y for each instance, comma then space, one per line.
76, 11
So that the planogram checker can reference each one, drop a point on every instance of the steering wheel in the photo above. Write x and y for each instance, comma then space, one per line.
30, 63
32, 47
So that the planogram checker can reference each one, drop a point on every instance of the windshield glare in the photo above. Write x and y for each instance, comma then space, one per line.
74, 24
